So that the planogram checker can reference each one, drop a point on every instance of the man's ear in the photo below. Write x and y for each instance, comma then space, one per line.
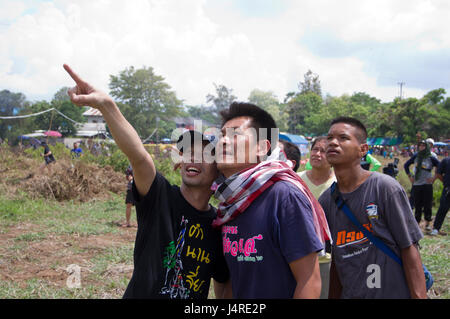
364, 148
263, 148
292, 163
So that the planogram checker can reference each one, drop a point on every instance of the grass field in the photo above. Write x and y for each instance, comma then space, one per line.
46, 244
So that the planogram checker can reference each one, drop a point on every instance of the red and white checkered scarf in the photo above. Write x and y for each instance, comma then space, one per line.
238, 191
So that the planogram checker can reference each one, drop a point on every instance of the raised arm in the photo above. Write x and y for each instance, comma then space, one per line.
123, 133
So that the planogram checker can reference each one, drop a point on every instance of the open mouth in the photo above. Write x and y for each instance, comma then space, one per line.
192, 171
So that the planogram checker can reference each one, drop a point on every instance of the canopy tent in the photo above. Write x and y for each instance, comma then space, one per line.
296, 139
384, 141
441, 144
36, 134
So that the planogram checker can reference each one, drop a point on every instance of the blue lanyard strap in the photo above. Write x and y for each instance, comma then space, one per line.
377, 242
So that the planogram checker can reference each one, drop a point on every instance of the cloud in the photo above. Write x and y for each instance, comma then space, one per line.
196, 43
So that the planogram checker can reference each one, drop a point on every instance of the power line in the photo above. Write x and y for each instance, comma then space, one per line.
36, 114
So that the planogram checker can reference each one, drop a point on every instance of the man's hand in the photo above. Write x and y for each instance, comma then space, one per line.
411, 178
123, 133
85, 94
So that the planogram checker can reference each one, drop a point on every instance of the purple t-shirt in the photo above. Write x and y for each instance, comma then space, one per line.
276, 229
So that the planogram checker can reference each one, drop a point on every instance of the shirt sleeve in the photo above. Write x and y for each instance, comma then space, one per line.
376, 164
400, 219
297, 235
146, 205
443, 166
408, 164
435, 161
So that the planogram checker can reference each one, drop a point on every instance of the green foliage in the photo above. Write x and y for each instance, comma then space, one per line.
299, 108
311, 84
11, 104
221, 101
143, 97
269, 102
205, 113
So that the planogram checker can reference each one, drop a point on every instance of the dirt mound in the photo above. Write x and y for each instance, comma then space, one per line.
67, 179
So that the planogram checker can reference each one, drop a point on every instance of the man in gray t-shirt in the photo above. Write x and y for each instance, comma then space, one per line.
422, 180
381, 205
359, 269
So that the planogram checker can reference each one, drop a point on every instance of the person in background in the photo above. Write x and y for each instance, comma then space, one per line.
443, 173
368, 160
48, 157
321, 175
76, 151
430, 143
129, 199
292, 153
319, 179
422, 180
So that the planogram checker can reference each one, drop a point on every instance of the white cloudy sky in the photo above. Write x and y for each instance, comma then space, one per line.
354, 45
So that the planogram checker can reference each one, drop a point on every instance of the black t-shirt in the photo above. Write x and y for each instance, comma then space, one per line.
177, 251
50, 157
444, 170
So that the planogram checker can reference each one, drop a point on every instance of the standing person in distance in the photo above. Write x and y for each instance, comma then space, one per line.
422, 182
443, 173
49, 159
292, 152
321, 175
319, 179
176, 252
359, 269
129, 199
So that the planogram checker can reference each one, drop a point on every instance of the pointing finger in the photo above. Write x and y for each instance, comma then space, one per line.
73, 75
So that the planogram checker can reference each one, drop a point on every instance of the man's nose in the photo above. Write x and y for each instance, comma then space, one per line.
331, 142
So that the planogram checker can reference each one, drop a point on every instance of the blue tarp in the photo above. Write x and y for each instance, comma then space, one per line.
296, 139
385, 141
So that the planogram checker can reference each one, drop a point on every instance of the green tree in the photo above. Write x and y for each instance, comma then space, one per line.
303, 104
11, 104
201, 112
268, 101
143, 97
437, 123
300, 108
311, 83
220, 101
435, 96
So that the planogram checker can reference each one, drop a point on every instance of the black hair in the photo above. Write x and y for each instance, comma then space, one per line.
259, 118
188, 138
292, 153
355, 123
318, 139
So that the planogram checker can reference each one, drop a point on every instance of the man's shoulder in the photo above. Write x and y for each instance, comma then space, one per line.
285, 188
384, 182
325, 197
161, 187
287, 193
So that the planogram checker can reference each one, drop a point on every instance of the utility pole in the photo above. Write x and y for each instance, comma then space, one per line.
401, 87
